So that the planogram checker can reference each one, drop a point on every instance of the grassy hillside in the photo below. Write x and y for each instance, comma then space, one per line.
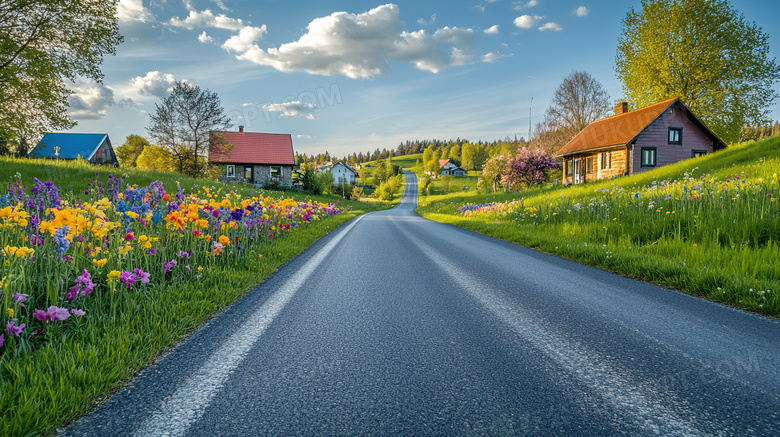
709, 226
128, 274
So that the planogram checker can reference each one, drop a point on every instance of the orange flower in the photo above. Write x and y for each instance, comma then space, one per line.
224, 240
166, 197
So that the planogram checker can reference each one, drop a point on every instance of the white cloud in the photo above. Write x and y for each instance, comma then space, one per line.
527, 21
205, 38
493, 57
292, 109
154, 84
358, 46
133, 10
582, 11
492, 30
207, 19
220, 4
480, 7
525, 5
425, 23
245, 40
90, 100
304, 137
555, 27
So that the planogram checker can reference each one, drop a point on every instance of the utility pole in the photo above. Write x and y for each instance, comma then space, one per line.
529, 120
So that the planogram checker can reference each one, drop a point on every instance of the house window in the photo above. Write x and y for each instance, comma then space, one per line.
276, 172
648, 156
248, 173
606, 160
675, 135
696, 153
569, 169
589, 165
231, 171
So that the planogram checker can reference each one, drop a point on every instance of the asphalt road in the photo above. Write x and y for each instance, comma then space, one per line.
396, 325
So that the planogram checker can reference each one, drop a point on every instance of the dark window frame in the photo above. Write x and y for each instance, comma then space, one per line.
589, 165
230, 171
570, 167
271, 172
642, 156
698, 152
679, 131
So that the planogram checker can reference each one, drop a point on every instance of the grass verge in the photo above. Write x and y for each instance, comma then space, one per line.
708, 226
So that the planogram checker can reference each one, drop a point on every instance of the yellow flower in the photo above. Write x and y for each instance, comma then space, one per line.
131, 214
146, 246
9, 251
143, 239
23, 252
200, 268
124, 249
113, 275
99, 262
10, 312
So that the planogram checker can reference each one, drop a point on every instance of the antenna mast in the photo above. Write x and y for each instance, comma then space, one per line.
529, 120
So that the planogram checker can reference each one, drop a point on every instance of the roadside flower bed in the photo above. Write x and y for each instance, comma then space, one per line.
708, 227
69, 255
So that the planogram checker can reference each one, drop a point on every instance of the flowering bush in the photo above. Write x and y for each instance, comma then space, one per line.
64, 258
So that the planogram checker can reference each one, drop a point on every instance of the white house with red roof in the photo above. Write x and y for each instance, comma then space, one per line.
450, 168
258, 158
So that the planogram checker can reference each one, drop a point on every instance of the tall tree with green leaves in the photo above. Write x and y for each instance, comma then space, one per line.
183, 123
704, 52
132, 148
43, 44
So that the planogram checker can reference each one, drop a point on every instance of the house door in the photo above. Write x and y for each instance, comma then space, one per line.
577, 165
248, 174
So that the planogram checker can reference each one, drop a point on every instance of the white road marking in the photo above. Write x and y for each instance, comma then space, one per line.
179, 411
611, 386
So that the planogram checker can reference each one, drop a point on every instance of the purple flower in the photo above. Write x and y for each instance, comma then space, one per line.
141, 276
169, 265
152, 251
52, 315
15, 330
77, 312
187, 267
2, 339
128, 278
21, 298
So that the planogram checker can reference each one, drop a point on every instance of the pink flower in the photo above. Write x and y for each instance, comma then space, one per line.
195, 232
15, 330
77, 312
21, 298
129, 236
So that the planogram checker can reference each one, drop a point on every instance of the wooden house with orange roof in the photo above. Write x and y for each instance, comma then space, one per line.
632, 142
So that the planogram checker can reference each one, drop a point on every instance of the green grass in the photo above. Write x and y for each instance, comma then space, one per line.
708, 226
47, 382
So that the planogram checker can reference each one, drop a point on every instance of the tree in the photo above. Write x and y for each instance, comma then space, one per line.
155, 158
132, 148
705, 53
42, 43
578, 101
183, 123
528, 167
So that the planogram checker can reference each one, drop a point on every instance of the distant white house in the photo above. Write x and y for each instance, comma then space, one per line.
449, 168
342, 173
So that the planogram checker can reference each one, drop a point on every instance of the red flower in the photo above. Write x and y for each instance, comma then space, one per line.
166, 197
236, 240
129, 236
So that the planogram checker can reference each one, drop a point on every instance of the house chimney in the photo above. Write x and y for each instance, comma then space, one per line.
621, 108
241, 128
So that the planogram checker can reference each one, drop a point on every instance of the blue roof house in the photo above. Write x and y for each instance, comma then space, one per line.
95, 148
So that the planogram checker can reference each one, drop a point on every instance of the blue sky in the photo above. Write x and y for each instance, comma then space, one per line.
349, 76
